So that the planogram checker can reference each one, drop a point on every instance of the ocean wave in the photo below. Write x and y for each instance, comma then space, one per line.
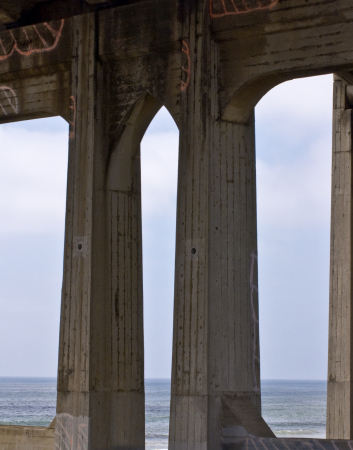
314, 433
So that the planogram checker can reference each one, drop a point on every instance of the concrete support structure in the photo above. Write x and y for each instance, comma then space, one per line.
216, 339
26, 438
107, 67
340, 382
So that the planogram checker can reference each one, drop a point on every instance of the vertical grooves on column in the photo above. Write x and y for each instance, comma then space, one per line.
213, 351
232, 242
339, 393
127, 308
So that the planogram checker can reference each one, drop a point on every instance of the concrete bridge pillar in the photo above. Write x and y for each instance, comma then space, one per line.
101, 375
106, 67
339, 387
216, 366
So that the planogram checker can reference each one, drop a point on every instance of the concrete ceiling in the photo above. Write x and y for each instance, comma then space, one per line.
25, 12
10, 11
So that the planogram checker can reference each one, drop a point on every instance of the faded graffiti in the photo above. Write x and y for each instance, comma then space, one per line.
255, 321
255, 443
71, 432
186, 67
72, 121
26, 41
221, 8
8, 101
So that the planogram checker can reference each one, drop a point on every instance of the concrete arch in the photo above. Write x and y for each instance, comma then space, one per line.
127, 147
240, 107
278, 46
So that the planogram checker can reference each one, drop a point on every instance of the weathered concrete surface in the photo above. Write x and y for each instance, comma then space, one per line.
26, 438
107, 68
287, 39
254, 443
339, 388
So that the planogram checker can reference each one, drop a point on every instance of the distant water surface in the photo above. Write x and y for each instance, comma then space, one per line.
295, 408
291, 408
27, 401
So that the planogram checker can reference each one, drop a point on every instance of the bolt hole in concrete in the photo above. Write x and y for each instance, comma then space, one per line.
159, 163
33, 170
193, 251
79, 246
293, 149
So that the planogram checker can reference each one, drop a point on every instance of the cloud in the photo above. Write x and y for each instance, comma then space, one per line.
159, 167
162, 123
159, 162
303, 99
293, 137
49, 125
296, 194
293, 167
33, 170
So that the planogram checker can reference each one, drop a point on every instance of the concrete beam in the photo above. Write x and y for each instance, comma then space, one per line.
14, 437
6, 16
97, 2
255, 58
35, 97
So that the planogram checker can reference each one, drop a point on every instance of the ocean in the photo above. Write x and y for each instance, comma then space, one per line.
291, 408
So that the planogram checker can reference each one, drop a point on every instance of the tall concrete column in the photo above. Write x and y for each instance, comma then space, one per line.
216, 366
100, 378
339, 387
73, 423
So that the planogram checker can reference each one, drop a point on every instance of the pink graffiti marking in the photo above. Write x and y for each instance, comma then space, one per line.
260, 443
263, 443
221, 8
309, 444
8, 99
60, 429
69, 432
72, 122
186, 68
26, 41
255, 320
83, 437
276, 448
253, 442
323, 448
283, 441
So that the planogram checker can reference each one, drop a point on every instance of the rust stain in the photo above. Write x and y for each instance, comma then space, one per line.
117, 315
255, 321
72, 122
186, 68
221, 8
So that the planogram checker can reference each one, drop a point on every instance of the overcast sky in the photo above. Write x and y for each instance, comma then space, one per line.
293, 136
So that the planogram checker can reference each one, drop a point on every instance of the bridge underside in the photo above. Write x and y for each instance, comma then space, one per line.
107, 67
